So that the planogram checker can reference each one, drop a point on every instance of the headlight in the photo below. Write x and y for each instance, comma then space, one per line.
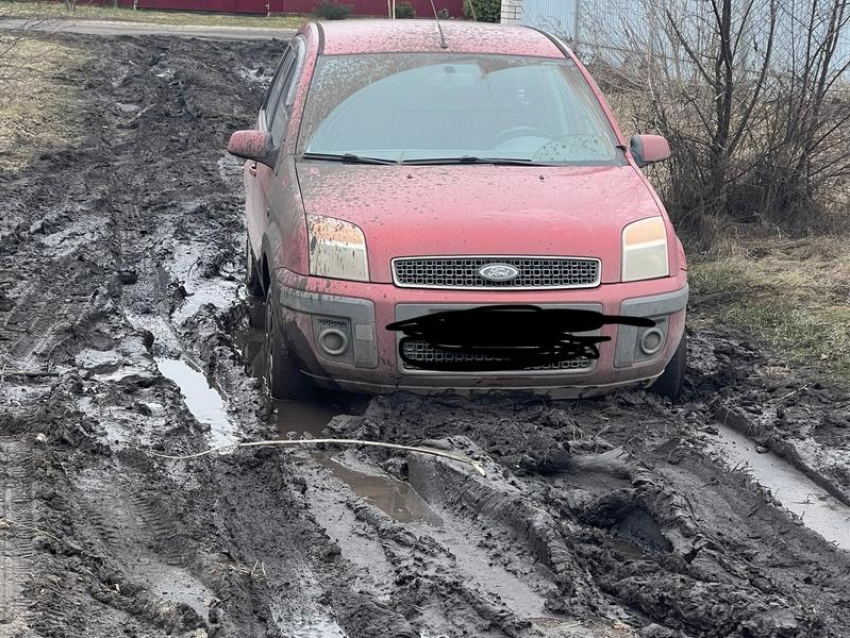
645, 250
337, 249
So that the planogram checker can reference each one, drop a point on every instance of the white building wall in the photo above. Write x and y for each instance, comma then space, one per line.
555, 16
511, 11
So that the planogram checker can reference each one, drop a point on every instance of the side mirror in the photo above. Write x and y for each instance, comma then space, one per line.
648, 149
253, 145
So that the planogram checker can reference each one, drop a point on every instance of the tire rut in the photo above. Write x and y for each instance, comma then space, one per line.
17, 523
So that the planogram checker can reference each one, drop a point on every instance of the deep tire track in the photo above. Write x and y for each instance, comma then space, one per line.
16, 545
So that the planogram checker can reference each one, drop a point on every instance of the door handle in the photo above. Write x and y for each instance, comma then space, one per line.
252, 170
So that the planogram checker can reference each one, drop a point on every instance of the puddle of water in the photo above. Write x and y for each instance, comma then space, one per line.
395, 498
818, 510
203, 401
296, 419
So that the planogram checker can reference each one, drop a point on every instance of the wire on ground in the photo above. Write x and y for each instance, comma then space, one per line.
295, 442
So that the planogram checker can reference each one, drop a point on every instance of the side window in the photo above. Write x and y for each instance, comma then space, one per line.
276, 89
300, 54
288, 89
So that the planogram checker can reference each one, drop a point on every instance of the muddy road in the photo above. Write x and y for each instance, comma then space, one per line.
124, 333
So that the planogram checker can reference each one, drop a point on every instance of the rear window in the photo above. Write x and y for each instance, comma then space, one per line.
425, 106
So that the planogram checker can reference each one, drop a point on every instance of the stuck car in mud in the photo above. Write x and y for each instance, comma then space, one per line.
402, 170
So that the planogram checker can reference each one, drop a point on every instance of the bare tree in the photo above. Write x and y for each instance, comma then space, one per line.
708, 76
810, 134
734, 91
752, 95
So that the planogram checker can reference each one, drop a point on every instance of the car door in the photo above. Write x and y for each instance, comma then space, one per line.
258, 177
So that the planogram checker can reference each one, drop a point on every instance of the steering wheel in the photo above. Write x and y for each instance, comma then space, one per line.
520, 131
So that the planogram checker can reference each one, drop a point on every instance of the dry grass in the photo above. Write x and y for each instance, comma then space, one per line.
791, 294
122, 14
39, 104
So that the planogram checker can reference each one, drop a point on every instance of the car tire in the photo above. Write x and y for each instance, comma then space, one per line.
253, 281
283, 378
671, 383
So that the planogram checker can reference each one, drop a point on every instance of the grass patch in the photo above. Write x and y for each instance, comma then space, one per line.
792, 295
124, 14
39, 103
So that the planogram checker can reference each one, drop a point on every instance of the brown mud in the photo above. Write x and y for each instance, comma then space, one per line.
120, 296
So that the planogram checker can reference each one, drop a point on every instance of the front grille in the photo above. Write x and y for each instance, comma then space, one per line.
420, 350
462, 272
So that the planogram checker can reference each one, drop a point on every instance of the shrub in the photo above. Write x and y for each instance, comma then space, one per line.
760, 135
484, 10
331, 10
404, 10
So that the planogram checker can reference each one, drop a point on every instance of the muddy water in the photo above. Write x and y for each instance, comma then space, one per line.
202, 399
394, 497
817, 509
295, 419
298, 419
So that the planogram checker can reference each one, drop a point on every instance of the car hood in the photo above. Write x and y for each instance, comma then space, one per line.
409, 211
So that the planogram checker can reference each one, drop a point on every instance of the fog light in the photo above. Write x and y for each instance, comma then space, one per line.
652, 341
334, 342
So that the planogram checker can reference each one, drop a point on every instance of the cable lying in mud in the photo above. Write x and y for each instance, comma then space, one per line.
294, 442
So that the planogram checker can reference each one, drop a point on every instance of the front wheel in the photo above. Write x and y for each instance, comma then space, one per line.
283, 379
671, 383
253, 283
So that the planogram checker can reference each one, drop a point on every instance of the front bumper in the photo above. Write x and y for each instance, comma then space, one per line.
358, 313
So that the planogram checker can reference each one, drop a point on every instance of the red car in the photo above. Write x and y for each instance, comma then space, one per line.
424, 201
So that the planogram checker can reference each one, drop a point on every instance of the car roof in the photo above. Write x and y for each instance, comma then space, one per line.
346, 37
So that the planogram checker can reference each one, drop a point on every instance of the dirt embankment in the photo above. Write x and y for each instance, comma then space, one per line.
120, 262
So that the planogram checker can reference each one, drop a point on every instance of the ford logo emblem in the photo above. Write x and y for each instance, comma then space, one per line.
498, 272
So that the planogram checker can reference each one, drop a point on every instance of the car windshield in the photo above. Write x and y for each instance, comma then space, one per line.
450, 108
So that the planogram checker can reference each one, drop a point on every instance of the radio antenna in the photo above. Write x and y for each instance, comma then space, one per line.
443, 43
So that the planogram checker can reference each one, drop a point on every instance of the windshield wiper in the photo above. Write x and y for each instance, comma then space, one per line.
472, 159
351, 158
347, 158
